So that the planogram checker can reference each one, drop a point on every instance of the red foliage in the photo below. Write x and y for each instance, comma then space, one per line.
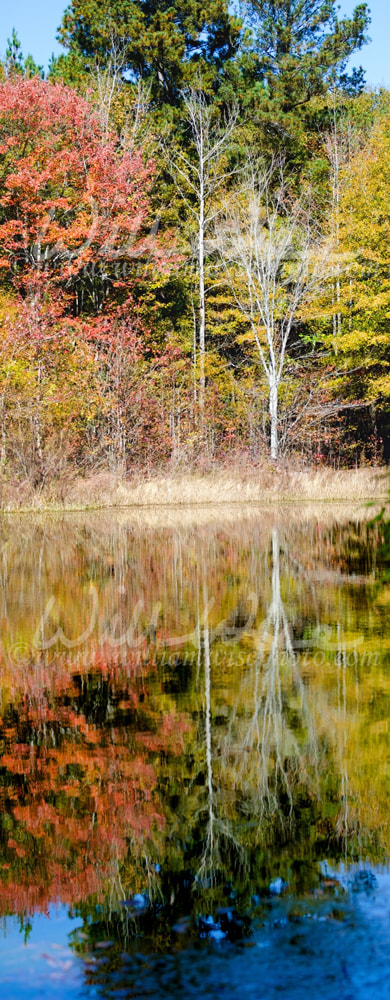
77, 793
74, 226
70, 197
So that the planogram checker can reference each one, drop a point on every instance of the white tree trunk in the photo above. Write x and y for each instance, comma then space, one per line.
273, 412
198, 180
273, 260
202, 304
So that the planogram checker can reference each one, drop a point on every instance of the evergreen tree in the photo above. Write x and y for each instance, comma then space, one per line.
293, 53
301, 46
161, 41
15, 62
13, 54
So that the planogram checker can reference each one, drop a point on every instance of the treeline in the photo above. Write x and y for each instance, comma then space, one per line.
194, 230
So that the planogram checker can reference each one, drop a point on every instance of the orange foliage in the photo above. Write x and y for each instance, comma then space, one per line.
77, 792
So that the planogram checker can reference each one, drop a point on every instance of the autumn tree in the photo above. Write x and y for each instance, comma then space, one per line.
271, 252
200, 170
74, 232
362, 343
73, 206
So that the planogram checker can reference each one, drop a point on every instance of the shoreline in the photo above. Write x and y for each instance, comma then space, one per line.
235, 488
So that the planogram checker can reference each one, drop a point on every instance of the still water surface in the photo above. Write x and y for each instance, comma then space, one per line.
194, 755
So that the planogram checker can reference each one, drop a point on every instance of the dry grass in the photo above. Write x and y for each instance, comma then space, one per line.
266, 485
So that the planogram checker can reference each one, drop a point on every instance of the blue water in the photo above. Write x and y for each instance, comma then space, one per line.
43, 965
338, 946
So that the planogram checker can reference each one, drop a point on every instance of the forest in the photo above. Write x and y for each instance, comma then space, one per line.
194, 228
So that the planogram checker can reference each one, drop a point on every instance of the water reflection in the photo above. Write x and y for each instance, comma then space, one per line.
36, 957
189, 715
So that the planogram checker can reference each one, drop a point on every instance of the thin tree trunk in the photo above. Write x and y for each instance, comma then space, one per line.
198, 183
335, 162
3, 458
202, 303
195, 348
273, 412
37, 426
209, 759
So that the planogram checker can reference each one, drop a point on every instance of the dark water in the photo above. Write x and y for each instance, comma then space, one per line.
194, 755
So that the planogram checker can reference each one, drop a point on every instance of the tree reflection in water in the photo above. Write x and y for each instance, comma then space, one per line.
205, 737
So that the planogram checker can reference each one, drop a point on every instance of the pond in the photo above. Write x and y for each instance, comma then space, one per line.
194, 754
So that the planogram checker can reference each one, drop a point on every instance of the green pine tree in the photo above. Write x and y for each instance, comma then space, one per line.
13, 54
302, 46
164, 42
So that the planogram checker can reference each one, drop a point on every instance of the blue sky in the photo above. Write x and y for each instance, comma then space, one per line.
36, 22
374, 58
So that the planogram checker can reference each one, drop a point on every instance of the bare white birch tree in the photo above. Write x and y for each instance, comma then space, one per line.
199, 176
274, 260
